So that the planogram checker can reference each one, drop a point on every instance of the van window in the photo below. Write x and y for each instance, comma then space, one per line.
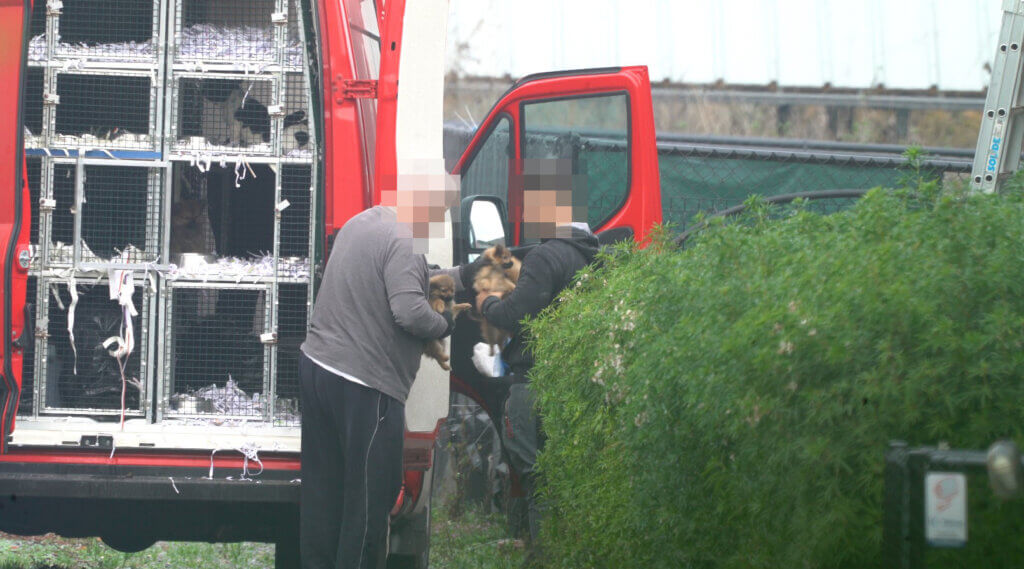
366, 32
593, 133
487, 172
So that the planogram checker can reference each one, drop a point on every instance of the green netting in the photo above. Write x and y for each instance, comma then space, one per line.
691, 184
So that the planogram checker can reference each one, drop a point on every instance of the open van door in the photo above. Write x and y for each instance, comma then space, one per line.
599, 123
14, 216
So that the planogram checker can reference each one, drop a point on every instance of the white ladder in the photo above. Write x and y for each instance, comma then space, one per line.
997, 155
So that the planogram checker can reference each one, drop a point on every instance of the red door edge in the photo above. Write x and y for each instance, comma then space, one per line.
385, 157
14, 27
346, 160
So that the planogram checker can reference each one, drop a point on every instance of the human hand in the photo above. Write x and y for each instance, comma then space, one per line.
482, 296
449, 319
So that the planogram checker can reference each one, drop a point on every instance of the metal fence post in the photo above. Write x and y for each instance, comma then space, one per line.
896, 508
917, 466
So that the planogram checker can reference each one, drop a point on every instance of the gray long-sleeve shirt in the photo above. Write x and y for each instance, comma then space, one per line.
371, 315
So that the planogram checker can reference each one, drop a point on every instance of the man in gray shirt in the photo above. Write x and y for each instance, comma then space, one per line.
359, 360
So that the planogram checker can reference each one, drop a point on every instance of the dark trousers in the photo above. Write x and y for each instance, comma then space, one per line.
523, 438
351, 470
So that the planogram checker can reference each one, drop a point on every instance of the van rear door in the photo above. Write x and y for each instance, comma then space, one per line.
14, 209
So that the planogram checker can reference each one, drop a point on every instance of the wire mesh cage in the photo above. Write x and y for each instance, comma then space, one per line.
26, 403
34, 173
293, 35
109, 30
226, 212
119, 219
223, 113
191, 228
34, 81
216, 365
296, 139
77, 374
297, 190
234, 32
293, 305
105, 110
37, 48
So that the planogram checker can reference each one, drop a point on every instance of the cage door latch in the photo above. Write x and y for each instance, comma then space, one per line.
357, 89
268, 338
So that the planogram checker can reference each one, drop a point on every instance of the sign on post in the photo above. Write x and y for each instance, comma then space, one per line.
945, 509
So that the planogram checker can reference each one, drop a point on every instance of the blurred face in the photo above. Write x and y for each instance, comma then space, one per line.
546, 213
421, 202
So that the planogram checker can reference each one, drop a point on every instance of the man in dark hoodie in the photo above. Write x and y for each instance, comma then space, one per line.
566, 247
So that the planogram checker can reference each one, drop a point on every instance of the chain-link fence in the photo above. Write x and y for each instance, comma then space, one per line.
711, 175
704, 178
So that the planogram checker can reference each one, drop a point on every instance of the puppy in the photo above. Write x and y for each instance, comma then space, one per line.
440, 297
189, 228
233, 116
253, 122
296, 132
499, 275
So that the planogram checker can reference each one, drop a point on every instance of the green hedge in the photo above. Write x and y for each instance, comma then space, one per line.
730, 404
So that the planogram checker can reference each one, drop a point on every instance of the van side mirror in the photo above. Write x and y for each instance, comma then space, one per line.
483, 225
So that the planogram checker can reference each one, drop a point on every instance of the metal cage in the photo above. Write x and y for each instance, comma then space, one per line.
34, 174
82, 377
293, 305
37, 47
26, 404
104, 109
35, 78
296, 138
157, 128
223, 113
108, 31
226, 211
295, 220
242, 33
101, 211
216, 362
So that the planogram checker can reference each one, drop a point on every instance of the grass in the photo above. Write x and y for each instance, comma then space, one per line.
472, 541
52, 552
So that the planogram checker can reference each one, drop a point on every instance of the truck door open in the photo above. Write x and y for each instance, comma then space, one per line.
14, 231
592, 129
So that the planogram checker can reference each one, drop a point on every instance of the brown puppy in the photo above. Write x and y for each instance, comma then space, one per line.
499, 275
189, 225
440, 297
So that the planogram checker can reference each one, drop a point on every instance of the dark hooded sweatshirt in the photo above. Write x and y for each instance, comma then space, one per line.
546, 271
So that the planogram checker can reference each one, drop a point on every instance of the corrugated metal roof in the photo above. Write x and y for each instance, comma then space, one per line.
898, 44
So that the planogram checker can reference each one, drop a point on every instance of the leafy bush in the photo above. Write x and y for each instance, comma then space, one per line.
730, 404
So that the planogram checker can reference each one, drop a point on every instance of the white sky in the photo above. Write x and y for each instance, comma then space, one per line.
903, 44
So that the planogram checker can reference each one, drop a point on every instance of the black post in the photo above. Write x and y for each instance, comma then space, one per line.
896, 508
918, 466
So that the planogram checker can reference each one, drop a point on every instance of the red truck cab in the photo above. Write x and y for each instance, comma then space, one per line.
158, 472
